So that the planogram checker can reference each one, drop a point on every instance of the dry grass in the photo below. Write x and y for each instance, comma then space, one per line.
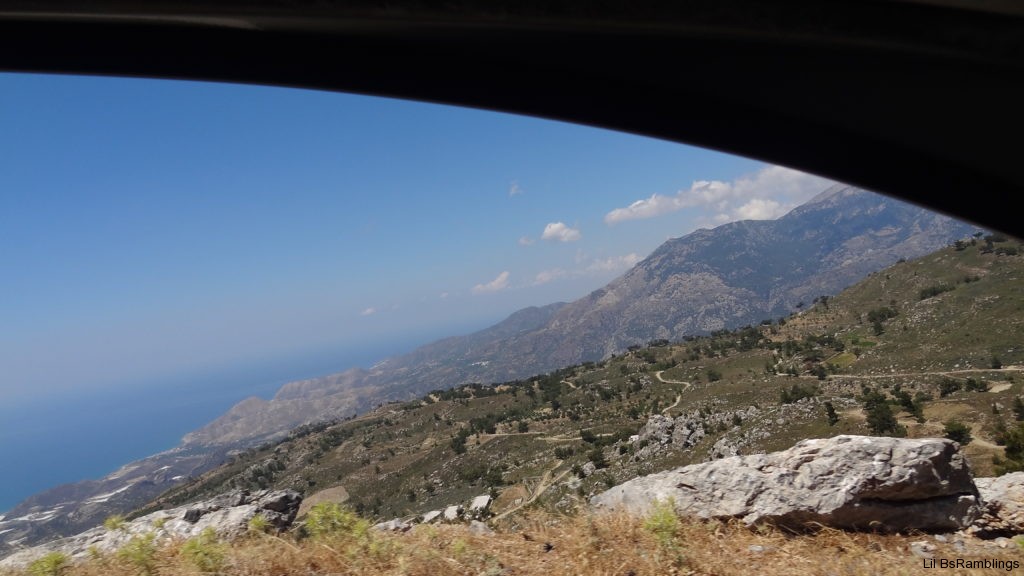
553, 545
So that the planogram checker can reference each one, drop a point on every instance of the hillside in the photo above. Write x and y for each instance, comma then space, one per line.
733, 275
706, 281
553, 440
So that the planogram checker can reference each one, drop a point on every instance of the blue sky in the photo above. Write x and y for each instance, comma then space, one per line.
155, 229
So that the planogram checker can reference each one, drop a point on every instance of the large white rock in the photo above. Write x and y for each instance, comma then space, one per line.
393, 525
1004, 505
480, 503
452, 513
857, 482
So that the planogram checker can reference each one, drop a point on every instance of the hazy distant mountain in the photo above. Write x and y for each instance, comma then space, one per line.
735, 274
440, 364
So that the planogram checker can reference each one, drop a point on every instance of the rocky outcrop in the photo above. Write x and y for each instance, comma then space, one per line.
1004, 506
477, 509
686, 430
228, 515
851, 482
73, 508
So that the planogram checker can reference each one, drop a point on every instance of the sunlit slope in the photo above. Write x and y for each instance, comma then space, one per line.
722, 278
554, 439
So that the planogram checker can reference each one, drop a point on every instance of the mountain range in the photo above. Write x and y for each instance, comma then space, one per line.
737, 274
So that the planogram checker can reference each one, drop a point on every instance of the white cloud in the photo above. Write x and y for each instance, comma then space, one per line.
525, 241
614, 264
514, 189
368, 311
560, 232
496, 285
546, 276
760, 209
768, 193
593, 267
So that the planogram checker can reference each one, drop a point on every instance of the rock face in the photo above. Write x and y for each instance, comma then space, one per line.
686, 430
851, 482
228, 515
72, 508
1004, 505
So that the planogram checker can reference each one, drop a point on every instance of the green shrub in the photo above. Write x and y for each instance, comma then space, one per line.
597, 457
205, 552
141, 552
881, 314
933, 291
563, 453
115, 522
1018, 409
1013, 440
947, 386
663, 522
880, 418
972, 385
52, 564
830, 413
957, 432
329, 519
259, 524
797, 392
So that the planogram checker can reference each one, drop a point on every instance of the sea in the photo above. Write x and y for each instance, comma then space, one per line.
87, 435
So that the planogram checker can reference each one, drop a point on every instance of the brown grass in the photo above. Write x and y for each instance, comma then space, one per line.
548, 545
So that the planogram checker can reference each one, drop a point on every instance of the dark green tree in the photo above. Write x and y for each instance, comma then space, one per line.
1014, 443
957, 432
1018, 408
880, 418
830, 412
947, 386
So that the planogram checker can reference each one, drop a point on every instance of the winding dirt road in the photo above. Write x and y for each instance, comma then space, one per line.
679, 397
939, 373
545, 482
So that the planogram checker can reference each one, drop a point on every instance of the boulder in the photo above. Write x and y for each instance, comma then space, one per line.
1003, 512
335, 494
393, 525
657, 429
850, 482
452, 513
478, 528
480, 503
